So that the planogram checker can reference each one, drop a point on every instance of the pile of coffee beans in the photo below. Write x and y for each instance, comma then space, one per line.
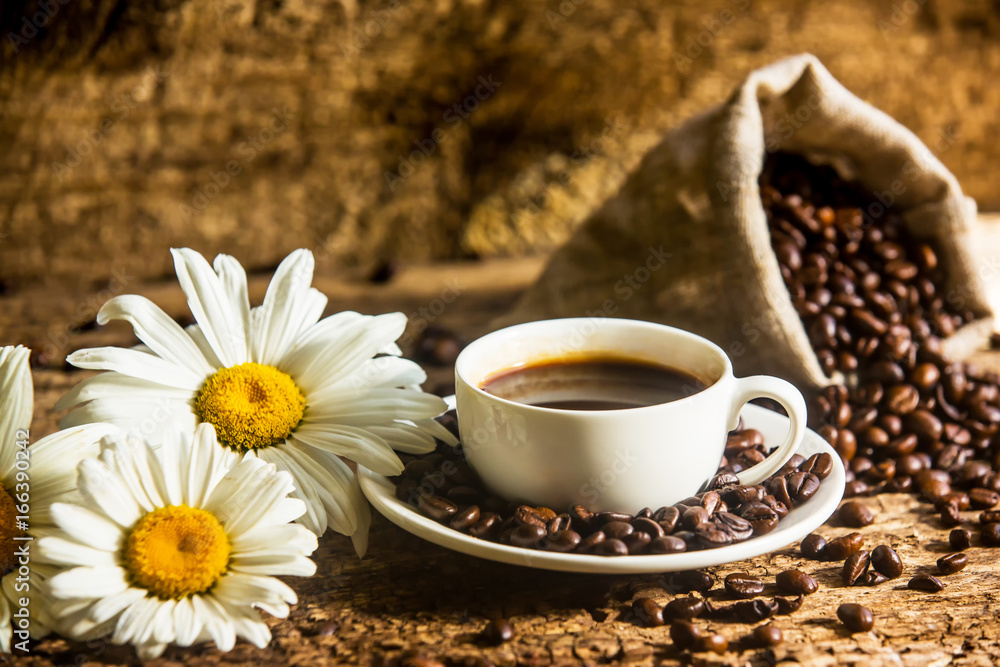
869, 294
443, 487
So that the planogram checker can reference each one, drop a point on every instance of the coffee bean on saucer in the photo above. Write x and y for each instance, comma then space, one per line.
486, 526
527, 535
841, 547
886, 561
743, 586
762, 519
465, 518
649, 612
611, 547
561, 522
617, 529
925, 582
684, 608
856, 617
648, 526
437, 508
637, 542
813, 546
527, 516
563, 541
666, 545
855, 514
820, 465
952, 563
607, 517
960, 539
855, 567
694, 517
589, 543
711, 535
497, 632
796, 582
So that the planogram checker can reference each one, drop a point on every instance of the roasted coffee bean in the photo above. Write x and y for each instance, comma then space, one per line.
590, 542
581, 517
637, 542
607, 517
711, 501
990, 534
693, 580
927, 583
561, 522
714, 642
739, 528
527, 516
563, 541
437, 508
723, 480
959, 499
648, 526
743, 586
952, 563
855, 617
667, 517
753, 611
820, 465
694, 517
855, 515
778, 487
711, 535
527, 535
762, 519
855, 489
796, 582
684, 608
872, 578
649, 612
788, 605
418, 469
925, 425
813, 546
611, 547
466, 518
545, 513
766, 636
684, 634
950, 515
486, 526
841, 547
855, 567
464, 495
960, 539
989, 516
497, 632
802, 486
617, 530
666, 545
885, 560
983, 499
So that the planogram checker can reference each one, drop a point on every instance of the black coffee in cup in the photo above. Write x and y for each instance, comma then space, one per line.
592, 383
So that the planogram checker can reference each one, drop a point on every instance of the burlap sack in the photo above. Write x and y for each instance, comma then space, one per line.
685, 241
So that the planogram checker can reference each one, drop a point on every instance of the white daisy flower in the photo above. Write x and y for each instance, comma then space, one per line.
175, 544
31, 478
275, 381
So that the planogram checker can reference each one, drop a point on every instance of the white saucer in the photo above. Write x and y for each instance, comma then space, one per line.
800, 521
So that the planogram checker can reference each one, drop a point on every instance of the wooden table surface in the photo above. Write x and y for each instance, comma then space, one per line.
411, 597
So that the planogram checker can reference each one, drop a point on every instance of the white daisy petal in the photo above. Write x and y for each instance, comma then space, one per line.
373, 407
70, 552
106, 490
277, 322
113, 385
108, 607
187, 625
157, 330
404, 437
324, 482
5, 629
234, 282
87, 582
216, 621
87, 526
211, 306
18, 400
138, 365
353, 443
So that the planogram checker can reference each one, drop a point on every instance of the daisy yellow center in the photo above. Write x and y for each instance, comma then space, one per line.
176, 551
8, 531
251, 406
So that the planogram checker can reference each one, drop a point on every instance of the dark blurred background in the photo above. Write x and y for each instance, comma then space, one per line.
411, 130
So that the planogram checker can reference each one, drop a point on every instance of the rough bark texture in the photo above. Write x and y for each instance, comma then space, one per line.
118, 120
411, 596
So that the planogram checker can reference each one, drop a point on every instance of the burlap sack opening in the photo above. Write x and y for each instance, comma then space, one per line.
685, 242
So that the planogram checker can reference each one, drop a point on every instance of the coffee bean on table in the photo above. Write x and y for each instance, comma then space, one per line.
983, 499
796, 582
871, 578
841, 547
684, 608
960, 539
752, 611
684, 634
693, 580
813, 546
952, 563
855, 514
497, 632
765, 636
886, 561
855, 567
950, 515
787, 605
743, 586
714, 642
990, 534
650, 613
989, 516
925, 582
856, 617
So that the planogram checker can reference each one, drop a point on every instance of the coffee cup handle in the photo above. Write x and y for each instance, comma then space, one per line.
790, 398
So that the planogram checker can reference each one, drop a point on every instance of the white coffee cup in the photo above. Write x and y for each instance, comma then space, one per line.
609, 460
